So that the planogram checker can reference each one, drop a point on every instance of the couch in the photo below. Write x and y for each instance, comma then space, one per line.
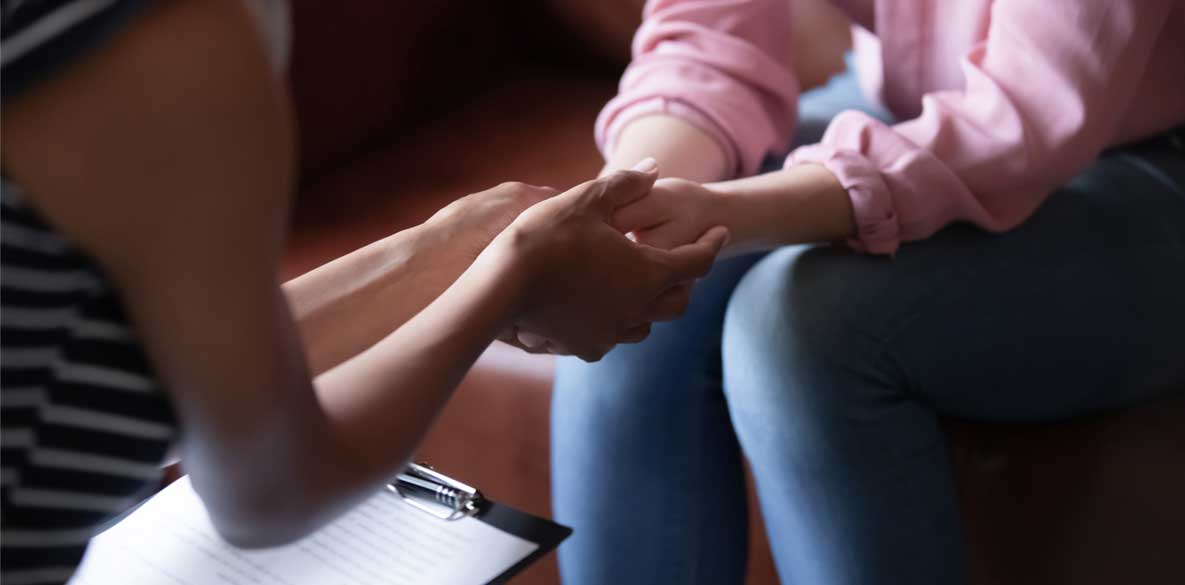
403, 107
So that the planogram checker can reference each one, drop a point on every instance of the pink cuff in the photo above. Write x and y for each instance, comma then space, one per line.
615, 117
878, 229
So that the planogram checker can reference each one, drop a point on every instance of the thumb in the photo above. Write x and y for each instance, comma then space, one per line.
694, 260
624, 187
715, 239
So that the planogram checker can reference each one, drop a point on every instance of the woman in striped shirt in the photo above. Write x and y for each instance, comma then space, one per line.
147, 172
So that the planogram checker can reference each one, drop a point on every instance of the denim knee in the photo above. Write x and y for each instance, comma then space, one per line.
801, 339
634, 382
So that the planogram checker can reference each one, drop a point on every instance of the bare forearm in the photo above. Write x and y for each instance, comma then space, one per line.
382, 401
681, 149
801, 204
375, 407
351, 303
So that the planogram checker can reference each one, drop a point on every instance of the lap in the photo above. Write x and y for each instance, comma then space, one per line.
1076, 310
692, 342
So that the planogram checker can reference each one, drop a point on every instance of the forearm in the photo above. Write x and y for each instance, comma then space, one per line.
681, 149
349, 304
802, 204
382, 401
374, 408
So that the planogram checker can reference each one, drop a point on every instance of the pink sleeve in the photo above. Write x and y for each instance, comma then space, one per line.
722, 66
1043, 96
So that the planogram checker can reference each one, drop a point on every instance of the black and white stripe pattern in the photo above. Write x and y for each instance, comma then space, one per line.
83, 423
41, 36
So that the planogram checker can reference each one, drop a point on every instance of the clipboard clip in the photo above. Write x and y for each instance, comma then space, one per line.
436, 493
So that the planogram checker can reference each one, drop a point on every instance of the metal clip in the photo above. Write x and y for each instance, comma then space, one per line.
435, 493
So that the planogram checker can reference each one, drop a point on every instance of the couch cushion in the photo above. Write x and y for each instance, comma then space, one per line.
1091, 501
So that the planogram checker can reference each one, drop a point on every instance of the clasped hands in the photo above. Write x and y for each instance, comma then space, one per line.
598, 263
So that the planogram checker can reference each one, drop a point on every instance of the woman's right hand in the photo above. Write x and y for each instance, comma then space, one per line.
587, 286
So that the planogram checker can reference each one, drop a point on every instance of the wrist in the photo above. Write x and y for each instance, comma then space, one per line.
403, 257
801, 204
438, 250
736, 210
513, 261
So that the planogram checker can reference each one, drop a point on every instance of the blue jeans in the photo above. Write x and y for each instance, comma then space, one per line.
830, 369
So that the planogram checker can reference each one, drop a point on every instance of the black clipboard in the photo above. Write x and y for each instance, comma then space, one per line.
541, 531
447, 499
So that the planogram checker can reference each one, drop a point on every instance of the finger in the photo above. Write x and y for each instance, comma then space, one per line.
624, 187
556, 348
593, 356
510, 337
645, 213
523, 196
546, 350
534, 194
692, 261
671, 304
515, 343
635, 334
666, 236
532, 340
523, 191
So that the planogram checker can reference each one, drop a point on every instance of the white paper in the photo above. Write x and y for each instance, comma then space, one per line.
384, 541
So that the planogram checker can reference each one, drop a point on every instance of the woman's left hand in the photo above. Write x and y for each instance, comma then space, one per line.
676, 212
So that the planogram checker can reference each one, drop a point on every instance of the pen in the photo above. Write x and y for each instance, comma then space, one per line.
436, 493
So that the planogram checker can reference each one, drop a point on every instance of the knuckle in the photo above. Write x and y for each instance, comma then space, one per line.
586, 190
619, 181
589, 185
602, 187
536, 194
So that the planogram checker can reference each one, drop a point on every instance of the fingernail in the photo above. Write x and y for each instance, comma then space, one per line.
646, 165
531, 340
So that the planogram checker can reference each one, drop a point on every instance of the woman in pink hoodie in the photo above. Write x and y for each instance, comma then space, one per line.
1009, 245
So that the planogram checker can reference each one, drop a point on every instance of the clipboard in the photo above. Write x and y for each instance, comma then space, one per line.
384, 540
547, 534
447, 499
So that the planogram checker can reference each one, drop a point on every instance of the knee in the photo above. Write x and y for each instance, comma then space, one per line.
629, 381
786, 299
794, 324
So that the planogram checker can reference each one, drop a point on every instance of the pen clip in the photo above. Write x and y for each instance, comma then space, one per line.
436, 494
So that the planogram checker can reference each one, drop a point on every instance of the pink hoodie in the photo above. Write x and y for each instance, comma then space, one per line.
1001, 101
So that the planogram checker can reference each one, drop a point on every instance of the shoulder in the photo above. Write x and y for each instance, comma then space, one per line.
40, 37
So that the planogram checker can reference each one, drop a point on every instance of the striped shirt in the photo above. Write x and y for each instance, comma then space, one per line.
84, 425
